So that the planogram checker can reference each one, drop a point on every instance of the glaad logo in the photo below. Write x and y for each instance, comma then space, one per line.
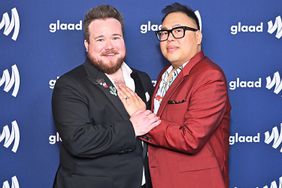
275, 184
144, 28
15, 183
54, 27
242, 139
53, 139
275, 81
10, 137
274, 137
234, 84
52, 83
277, 26
13, 24
235, 29
11, 81
258, 28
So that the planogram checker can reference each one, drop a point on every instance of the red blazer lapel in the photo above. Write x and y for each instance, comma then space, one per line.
185, 72
157, 87
169, 92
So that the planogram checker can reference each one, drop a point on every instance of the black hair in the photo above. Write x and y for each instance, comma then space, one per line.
177, 7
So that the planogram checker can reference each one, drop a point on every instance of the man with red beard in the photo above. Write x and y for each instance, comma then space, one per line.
99, 145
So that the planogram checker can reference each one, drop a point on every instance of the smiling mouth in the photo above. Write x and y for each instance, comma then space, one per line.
109, 53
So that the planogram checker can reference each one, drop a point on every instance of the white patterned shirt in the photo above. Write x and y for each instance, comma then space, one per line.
165, 84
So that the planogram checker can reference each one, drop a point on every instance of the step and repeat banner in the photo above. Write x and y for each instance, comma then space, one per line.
41, 40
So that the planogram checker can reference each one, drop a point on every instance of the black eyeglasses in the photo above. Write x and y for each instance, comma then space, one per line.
177, 32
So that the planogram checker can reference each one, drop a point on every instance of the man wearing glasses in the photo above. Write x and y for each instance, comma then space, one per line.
190, 147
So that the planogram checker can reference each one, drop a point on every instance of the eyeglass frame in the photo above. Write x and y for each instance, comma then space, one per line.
185, 28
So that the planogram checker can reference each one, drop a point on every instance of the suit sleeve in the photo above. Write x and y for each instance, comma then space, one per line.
205, 112
81, 136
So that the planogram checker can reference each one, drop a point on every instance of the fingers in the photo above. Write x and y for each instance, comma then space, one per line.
122, 89
151, 115
130, 100
125, 94
142, 114
126, 91
156, 123
153, 120
147, 112
144, 121
153, 125
121, 94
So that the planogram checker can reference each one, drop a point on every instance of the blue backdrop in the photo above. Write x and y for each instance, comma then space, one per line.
41, 40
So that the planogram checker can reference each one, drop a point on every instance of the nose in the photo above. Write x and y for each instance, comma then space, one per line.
170, 36
109, 44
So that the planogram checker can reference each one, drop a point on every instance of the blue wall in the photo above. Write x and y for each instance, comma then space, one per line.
243, 37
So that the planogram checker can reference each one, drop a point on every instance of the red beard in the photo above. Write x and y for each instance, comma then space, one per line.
109, 67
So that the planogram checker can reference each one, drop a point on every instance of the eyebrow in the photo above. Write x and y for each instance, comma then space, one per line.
100, 36
117, 35
114, 35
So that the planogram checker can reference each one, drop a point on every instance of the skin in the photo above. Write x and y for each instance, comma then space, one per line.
132, 102
180, 51
106, 46
176, 51
106, 50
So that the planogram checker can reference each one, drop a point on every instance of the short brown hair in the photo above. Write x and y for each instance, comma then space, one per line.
100, 12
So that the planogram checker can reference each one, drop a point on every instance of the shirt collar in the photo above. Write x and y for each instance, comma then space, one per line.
126, 72
178, 70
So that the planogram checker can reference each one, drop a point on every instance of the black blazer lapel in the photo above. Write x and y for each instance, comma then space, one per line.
139, 88
101, 81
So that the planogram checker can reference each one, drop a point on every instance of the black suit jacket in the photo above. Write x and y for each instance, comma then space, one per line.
99, 148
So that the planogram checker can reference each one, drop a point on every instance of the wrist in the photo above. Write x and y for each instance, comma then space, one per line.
136, 113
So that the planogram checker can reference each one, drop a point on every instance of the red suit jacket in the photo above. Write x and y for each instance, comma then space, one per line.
190, 148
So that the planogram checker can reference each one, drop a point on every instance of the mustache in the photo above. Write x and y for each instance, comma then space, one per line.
109, 51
